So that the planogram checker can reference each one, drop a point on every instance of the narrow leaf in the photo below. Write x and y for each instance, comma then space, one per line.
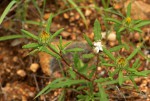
137, 29
108, 53
120, 78
142, 23
49, 22
97, 31
29, 34
31, 45
133, 53
7, 10
88, 40
103, 95
9, 37
87, 55
116, 48
72, 73
56, 33
75, 50
129, 10
79, 10
113, 20
121, 29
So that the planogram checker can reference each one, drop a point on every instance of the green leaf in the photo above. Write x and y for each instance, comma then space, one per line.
88, 40
45, 49
108, 53
135, 64
132, 79
78, 10
107, 64
140, 74
9, 37
102, 80
29, 34
48, 87
62, 95
74, 50
56, 33
31, 45
75, 59
118, 37
133, 53
137, 29
65, 45
142, 23
88, 55
37, 7
53, 47
111, 10
113, 20
97, 31
121, 29
136, 21
72, 73
129, 10
7, 10
34, 52
146, 72
60, 43
116, 48
103, 95
120, 78
33, 22
49, 22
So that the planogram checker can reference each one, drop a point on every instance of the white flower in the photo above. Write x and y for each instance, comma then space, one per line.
97, 47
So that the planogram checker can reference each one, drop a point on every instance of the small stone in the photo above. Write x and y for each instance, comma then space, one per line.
34, 67
31, 94
112, 43
21, 73
112, 36
136, 36
77, 16
66, 16
15, 59
46, 16
88, 12
65, 34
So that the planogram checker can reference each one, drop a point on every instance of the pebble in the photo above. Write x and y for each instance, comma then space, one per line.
21, 73
66, 16
15, 59
112, 36
88, 12
34, 67
136, 36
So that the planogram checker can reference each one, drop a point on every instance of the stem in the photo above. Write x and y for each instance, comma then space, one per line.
96, 72
68, 64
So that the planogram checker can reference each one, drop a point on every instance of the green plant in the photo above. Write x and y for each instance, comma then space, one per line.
82, 77
2, 18
127, 24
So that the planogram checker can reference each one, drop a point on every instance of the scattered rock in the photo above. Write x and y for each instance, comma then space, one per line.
45, 62
65, 34
21, 73
136, 36
88, 12
16, 42
112, 36
139, 9
17, 91
34, 67
15, 59
66, 16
